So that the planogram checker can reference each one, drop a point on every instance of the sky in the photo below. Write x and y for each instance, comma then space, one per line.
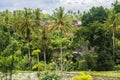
47, 6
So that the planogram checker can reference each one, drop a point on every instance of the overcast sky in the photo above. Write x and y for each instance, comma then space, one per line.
47, 6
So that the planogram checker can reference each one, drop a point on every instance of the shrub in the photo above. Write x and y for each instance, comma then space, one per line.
50, 76
51, 66
21, 65
36, 52
82, 76
81, 65
90, 59
104, 61
117, 67
41, 66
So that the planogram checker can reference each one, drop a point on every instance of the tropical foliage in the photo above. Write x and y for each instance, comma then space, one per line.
62, 41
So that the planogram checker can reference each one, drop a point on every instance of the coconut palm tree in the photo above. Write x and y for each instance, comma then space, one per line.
24, 26
112, 22
41, 31
61, 24
7, 20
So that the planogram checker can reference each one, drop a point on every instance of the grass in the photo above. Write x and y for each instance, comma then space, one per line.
106, 73
93, 73
100, 73
19, 71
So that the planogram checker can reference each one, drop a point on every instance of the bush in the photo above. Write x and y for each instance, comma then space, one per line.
83, 65
41, 66
117, 67
50, 76
104, 61
80, 65
90, 59
51, 66
21, 65
82, 76
87, 62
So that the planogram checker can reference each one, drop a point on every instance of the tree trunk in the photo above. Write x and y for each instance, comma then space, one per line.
28, 41
61, 56
113, 43
45, 57
11, 67
44, 38
11, 75
38, 73
6, 75
29, 56
38, 61
61, 52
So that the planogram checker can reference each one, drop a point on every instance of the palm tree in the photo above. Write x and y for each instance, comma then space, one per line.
61, 24
112, 22
7, 21
37, 14
27, 30
41, 28
44, 42
24, 26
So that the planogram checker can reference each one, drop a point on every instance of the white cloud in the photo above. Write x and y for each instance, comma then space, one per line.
50, 5
85, 5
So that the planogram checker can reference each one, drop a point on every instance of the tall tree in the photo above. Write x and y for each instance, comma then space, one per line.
112, 22
25, 26
116, 6
7, 20
95, 14
61, 24
42, 31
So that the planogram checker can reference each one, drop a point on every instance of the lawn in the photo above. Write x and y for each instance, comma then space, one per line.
93, 73
100, 73
106, 73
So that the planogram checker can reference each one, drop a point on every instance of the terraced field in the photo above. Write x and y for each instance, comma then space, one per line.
107, 75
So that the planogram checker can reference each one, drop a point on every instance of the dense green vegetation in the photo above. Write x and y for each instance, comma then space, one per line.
32, 40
